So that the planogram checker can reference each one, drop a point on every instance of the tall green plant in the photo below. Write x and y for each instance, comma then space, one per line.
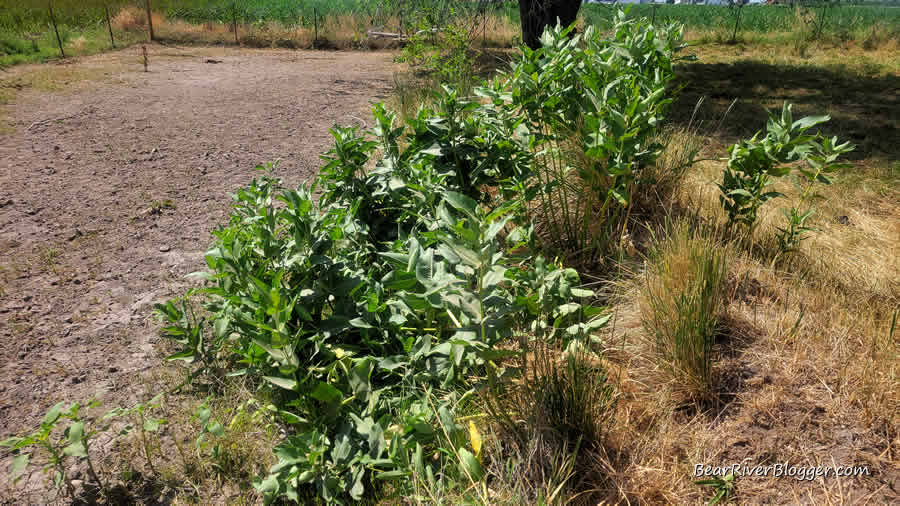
594, 106
754, 164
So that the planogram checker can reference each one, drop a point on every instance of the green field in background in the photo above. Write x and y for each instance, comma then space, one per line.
26, 33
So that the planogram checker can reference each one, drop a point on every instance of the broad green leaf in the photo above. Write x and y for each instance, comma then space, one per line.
268, 486
75, 432
53, 415
462, 203
18, 465
285, 383
76, 450
326, 393
470, 466
392, 475
152, 424
216, 428
809, 121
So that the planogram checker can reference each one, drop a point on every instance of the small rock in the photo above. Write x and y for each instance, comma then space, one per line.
113, 369
26, 298
164, 248
75, 235
843, 220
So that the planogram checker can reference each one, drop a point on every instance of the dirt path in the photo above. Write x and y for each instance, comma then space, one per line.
108, 192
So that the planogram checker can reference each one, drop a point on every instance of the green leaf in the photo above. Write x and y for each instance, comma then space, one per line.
18, 465
809, 121
470, 466
216, 428
418, 460
75, 432
76, 450
285, 383
741, 192
53, 415
326, 393
152, 424
268, 486
186, 355
392, 475
462, 203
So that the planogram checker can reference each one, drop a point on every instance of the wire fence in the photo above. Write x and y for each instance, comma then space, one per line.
33, 30
29, 28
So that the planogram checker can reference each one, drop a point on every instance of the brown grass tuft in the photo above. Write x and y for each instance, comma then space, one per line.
134, 18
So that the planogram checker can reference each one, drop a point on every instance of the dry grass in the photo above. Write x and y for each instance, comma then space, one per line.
344, 31
496, 31
134, 18
880, 54
809, 372
681, 301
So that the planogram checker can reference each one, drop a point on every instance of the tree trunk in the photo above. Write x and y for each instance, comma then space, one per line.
538, 14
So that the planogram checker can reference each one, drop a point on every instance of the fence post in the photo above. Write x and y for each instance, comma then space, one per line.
55, 29
737, 21
483, 25
234, 22
109, 25
150, 22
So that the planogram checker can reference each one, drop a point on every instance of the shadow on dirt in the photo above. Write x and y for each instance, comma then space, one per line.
864, 108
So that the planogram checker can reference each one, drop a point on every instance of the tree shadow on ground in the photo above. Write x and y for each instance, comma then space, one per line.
864, 109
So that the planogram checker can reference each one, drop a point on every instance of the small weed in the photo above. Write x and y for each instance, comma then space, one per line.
724, 488
754, 164
50, 259
75, 441
157, 206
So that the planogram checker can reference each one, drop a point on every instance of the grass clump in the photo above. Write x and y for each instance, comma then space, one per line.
681, 303
551, 427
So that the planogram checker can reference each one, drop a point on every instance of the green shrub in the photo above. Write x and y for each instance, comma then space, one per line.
595, 106
786, 148
394, 282
367, 313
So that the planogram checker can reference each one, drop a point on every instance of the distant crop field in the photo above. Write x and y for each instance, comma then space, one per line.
80, 13
27, 34
754, 18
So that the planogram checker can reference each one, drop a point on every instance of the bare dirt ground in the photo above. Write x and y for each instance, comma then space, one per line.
110, 187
